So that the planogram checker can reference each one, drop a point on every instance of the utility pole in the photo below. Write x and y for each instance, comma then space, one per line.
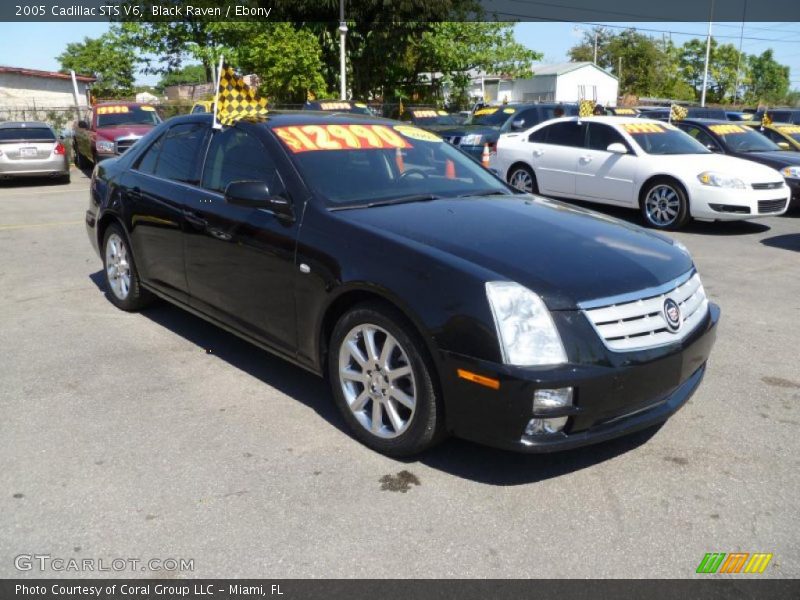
595, 46
708, 56
342, 58
739, 57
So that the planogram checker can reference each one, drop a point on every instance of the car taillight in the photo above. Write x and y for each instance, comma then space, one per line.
59, 149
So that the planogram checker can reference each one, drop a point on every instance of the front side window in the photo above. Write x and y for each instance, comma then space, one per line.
701, 136
349, 163
235, 155
600, 137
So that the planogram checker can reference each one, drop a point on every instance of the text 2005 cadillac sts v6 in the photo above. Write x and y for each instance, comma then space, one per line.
436, 298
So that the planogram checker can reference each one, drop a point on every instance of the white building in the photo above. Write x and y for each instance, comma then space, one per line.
561, 82
32, 89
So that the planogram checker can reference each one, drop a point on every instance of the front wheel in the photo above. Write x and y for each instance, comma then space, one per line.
382, 382
665, 205
122, 280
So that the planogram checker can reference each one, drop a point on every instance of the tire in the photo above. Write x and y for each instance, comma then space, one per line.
522, 177
123, 287
664, 205
410, 415
80, 162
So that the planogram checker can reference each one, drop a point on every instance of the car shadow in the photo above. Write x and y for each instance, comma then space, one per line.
29, 182
721, 228
456, 457
789, 241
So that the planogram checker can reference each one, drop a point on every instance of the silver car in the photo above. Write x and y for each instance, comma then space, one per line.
31, 149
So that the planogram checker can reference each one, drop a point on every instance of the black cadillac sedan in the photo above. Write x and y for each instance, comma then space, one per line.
436, 299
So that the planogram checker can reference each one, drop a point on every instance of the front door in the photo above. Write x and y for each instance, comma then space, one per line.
605, 176
240, 260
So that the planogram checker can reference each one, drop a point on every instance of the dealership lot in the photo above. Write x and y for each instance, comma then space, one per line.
156, 435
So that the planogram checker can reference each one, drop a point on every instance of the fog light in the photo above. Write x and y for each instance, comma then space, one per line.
545, 426
549, 401
546, 400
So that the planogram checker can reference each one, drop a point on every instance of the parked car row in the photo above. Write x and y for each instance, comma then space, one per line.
647, 165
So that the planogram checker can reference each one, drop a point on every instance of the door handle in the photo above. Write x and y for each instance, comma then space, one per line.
195, 219
586, 159
538, 152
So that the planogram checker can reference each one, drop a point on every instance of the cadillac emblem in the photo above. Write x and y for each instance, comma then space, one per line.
672, 315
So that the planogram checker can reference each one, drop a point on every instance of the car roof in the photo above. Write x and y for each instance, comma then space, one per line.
24, 124
704, 121
609, 119
293, 117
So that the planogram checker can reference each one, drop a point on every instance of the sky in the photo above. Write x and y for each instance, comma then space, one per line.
35, 45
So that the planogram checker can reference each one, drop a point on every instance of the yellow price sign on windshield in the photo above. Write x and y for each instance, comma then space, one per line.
726, 129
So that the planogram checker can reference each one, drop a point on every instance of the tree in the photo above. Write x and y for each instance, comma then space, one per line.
287, 60
768, 81
724, 69
105, 58
187, 74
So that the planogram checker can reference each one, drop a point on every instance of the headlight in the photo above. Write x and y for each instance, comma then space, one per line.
720, 180
471, 140
105, 147
525, 329
791, 172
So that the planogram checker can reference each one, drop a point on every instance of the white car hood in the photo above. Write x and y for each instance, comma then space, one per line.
694, 164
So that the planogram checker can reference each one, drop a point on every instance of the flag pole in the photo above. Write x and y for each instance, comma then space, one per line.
217, 124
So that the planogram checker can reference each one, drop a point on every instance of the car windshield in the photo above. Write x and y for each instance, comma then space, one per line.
491, 116
427, 117
113, 116
739, 138
793, 131
26, 134
353, 164
661, 138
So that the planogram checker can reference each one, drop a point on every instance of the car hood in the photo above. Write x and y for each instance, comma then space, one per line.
112, 133
462, 130
775, 158
566, 255
747, 170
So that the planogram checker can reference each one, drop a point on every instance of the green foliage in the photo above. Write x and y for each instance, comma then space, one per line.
768, 79
187, 74
105, 58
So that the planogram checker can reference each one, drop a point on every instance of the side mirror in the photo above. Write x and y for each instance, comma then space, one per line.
712, 147
784, 146
83, 125
256, 194
617, 148
517, 124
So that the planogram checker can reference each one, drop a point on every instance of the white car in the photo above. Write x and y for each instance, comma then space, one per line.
638, 163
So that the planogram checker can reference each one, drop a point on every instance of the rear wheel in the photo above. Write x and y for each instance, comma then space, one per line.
522, 178
80, 162
381, 381
665, 205
122, 280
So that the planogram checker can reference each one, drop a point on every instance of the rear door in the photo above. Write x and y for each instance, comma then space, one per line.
240, 260
605, 176
554, 151
163, 179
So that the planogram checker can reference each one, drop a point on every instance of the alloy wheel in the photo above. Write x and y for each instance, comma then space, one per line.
521, 180
662, 205
118, 269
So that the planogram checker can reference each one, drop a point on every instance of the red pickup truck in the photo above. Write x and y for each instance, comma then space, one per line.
110, 128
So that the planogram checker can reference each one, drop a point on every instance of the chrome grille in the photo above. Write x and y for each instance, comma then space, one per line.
637, 322
774, 185
771, 206
123, 144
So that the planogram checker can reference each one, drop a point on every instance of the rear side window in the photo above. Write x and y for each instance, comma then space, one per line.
566, 133
181, 151
27, 134
147, 162
235, 155
602, 136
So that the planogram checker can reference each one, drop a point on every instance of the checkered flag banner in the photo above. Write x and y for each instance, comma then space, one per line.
235, 99
677, 112
586, 108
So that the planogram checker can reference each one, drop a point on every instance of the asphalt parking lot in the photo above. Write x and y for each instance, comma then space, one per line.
157, 435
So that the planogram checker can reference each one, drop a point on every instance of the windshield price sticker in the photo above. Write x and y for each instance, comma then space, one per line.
309, 138
634, 128
625, 111
485, 111
726, 129
110, 110
424, 113
415, 133
148, 108
335, 106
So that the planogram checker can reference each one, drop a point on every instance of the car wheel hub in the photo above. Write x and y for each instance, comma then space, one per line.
377, 381
118, 270
662, 205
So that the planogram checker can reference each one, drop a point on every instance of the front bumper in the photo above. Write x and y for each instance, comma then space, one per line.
614, 393
723, 204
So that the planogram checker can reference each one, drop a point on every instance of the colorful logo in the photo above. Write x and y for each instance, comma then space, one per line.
735, 562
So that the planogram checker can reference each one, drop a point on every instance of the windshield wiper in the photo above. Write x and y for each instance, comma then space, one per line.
485, 193
390, 201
